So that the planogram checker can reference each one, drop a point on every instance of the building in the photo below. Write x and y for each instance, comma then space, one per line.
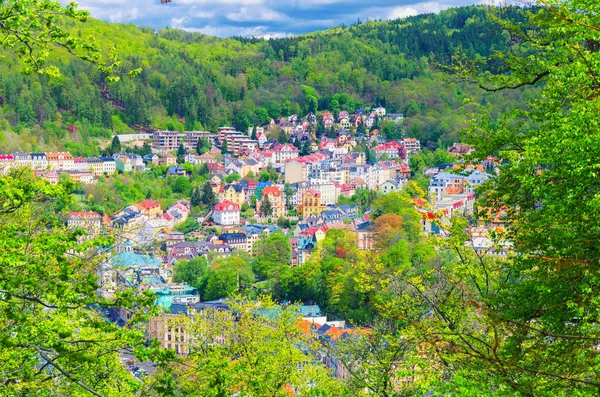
275, 197
235, 239
165, 140
226, 213
364, 236
84, 220
39, 161
150, 208
168, 159
392, 185
234, 192
60, 160
411, 144
311, 204
284, 152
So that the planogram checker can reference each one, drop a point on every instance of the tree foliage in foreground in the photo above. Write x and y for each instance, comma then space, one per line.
54, 339
527, 325
255, 349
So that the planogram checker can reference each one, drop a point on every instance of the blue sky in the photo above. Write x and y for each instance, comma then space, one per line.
264, 18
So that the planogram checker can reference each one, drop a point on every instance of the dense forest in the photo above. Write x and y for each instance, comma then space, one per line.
192, 81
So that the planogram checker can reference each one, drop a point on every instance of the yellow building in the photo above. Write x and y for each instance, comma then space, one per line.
276, 199
311, 204
233, 193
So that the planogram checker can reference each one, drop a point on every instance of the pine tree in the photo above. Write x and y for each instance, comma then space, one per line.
208, 196
266, 208
224, 148
196, 198
254, 136
180, 153
115, 146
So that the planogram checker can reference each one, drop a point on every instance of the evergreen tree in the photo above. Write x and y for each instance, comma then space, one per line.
266, 208
305, 150
254, 136
180, 153
321, 130
224, 148
331, 133
208, 196
196, 198
203, 169
203, 146
115, 146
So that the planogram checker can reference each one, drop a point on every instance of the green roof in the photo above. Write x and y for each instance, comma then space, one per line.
131, 259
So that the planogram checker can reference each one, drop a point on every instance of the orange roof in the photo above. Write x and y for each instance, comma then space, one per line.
304, 325
272, 190
334, 332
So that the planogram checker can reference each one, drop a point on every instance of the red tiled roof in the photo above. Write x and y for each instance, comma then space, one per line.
84, 214
224, 206
314, 192
148, 204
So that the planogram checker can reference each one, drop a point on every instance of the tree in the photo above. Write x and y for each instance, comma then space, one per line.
229, 276
181, 185
224, 147
271, 251
54, 338
254, 136
203, 146
115, 146
180, 153
288, 191
193, 272
256, 348
33, 28
492, 337
208, 199
266, 209
233, 177
306, 149
196, 198
203, 169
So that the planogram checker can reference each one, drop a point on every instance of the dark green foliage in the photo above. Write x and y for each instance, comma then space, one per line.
338, 69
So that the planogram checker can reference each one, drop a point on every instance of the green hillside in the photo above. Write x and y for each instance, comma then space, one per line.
193, 81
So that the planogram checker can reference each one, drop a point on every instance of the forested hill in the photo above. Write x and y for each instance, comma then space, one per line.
193, 81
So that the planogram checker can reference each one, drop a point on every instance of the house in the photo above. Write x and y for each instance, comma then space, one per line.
311, 204
392, 185
84, 220
151, 159
275, 197
174, 238
379, 111
284, 152
412, 145
226, 213
234, 192
459, 150
176, 170
168, 159
364, 236
150, 208
235, 239
392, 150
179, 212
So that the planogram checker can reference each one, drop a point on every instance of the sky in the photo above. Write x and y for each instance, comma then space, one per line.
260, 18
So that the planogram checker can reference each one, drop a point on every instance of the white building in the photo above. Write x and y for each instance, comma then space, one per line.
226, 213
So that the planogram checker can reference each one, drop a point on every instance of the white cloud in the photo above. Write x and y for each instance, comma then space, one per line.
249, 14
402, 12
